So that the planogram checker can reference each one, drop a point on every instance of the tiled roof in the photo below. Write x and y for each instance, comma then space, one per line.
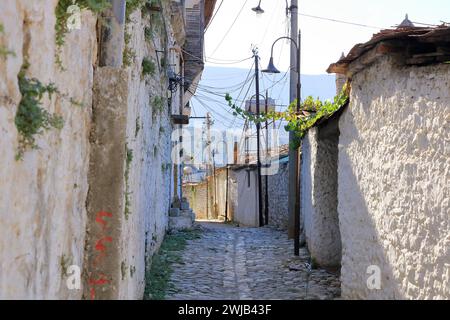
418, 46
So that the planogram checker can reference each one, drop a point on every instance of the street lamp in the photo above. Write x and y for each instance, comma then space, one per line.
294, 174
258, 9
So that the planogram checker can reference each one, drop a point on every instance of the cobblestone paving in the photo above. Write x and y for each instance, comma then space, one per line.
231, 263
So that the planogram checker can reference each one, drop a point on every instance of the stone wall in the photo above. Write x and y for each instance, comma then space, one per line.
106, 171
246, 213
278, 197
42, 199
394, 173
196, 194
319, 194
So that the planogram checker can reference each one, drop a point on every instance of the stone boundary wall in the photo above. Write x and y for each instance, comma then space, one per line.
393, 191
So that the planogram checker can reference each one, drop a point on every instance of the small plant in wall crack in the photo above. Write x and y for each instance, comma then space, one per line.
64, 263
148, 67
128, 54
31, 119
5, 52
157, 103
123, 269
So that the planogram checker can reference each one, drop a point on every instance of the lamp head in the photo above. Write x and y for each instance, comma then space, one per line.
258, 9
271, 67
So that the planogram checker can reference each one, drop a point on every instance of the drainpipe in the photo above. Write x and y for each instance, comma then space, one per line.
112, 35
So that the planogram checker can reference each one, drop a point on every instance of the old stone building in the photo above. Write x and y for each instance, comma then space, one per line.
86, 175
375, 178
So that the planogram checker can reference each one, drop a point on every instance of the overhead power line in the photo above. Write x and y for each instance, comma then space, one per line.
340, 21
215, 14
231, 27
212, 62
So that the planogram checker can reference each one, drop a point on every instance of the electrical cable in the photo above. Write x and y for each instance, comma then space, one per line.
340, 21
231, 27
215, 14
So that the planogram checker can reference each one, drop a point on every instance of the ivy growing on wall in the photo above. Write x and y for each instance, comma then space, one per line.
31, 119
311, 111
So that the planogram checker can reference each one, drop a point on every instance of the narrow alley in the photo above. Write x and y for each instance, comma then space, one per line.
232, 263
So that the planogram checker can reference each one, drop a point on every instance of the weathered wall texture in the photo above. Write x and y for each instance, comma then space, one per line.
246, 213
319, 194
196, 194
394, 173
42, 198
142, 152
278, 197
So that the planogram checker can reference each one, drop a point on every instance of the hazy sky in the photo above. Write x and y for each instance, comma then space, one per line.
322, 41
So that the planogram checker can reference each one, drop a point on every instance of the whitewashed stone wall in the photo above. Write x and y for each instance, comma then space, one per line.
278, 197
42, 198
319, 195
196, 194
149, 138
394, 191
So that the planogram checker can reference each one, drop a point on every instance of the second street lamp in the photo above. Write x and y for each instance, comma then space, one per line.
295, 159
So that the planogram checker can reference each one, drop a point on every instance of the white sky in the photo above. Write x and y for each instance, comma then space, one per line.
322, 41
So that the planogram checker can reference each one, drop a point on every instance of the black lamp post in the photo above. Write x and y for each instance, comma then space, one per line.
272, 69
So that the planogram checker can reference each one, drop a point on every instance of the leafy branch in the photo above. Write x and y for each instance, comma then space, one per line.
299, 122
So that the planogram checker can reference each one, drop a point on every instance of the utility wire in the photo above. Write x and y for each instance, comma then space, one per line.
340, 21
231, 27
215, 14
212, 62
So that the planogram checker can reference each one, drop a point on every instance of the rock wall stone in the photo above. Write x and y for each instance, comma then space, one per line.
394, 173
278, 197
42, 198
319, 194
43, 214
196, 194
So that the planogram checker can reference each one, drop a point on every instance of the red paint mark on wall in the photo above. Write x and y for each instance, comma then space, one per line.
99, 254
100, 246
100, 218
97, 282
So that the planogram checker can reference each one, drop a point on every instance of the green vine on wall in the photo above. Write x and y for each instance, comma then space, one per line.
62, 17
311, 112
148, 67
31, 119
128, 161
5, 52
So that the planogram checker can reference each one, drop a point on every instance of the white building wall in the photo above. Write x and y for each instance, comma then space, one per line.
394, 190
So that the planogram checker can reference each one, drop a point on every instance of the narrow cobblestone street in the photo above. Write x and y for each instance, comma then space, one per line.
232, 263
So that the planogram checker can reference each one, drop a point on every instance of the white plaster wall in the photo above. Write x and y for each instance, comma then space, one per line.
42, 198
394, 191
246, 213
279, 197
319, 194
150, 175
